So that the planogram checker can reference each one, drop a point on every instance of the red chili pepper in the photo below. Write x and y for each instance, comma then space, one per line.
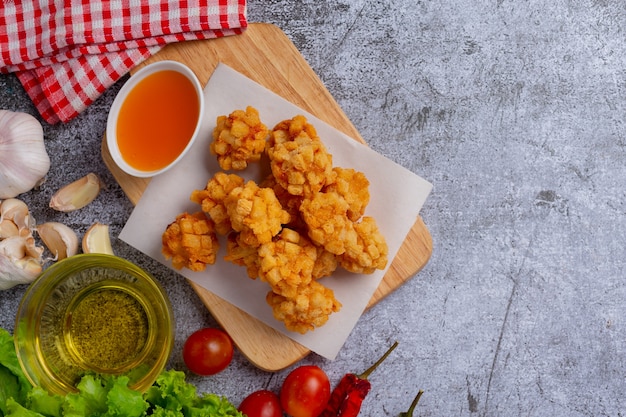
348, 395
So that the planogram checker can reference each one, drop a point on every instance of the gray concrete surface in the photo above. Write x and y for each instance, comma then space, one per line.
515, 111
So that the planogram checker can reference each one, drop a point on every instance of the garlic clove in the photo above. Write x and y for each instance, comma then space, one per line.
20, 261
17, 211
30, 266
24, 161
77, 194
60, 239
97, 239
13, 248
8, 229
21, 271
31, 249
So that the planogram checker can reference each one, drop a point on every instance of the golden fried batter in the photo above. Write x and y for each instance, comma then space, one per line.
310, 308
298, 158
212, 197
329, 226
190, 242
353, 186
239, 253
239, 139
289, 129
325, 264
290, 203
255, 212
287, 262
369, 253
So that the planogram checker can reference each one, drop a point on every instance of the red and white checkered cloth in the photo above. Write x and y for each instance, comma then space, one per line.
66, 53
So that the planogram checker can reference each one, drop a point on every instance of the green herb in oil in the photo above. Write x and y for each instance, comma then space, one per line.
109, 328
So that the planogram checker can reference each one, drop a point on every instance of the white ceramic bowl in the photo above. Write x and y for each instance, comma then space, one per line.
122, 96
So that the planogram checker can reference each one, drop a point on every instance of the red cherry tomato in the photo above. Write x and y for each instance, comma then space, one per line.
261, 403
208, 351
305, 392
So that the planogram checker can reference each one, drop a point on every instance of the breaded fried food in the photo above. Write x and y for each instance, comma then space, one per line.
329, 226
239, 139
370, 251
325, 263
255, 212
298, 159
290, 203
242, 254
298, 225
287, 262
310, 308
360, 247
353, 186
212, 197
190, 242
288, 129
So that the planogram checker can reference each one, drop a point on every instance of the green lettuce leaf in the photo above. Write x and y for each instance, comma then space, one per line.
172, 393
90, 400
13, 382
14, 409
213, 405
123, 401
162, 412
9, 389
40, 401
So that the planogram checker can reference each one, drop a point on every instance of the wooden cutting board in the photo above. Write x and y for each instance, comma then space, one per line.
266, 55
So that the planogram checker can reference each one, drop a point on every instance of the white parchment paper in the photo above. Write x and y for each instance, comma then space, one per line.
397, 195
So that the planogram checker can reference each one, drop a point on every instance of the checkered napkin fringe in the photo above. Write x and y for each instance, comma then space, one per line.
66, 53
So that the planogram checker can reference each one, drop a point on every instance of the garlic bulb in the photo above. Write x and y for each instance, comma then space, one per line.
21, 260
24, 161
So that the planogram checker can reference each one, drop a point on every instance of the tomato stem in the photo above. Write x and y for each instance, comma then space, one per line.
371, 369
409, 413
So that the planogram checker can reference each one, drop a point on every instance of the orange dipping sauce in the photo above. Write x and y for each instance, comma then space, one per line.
157, 120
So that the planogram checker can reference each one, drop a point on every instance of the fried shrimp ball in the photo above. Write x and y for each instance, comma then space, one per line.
290, 203
310, 308
296, 226
287, 262
239, 139
298, 159
190, 242
242, 254
212, 197
255, 212
325, 263
353, 186
369, 253
329, 226
289, 129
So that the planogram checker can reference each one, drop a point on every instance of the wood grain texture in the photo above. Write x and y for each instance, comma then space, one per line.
266, 55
